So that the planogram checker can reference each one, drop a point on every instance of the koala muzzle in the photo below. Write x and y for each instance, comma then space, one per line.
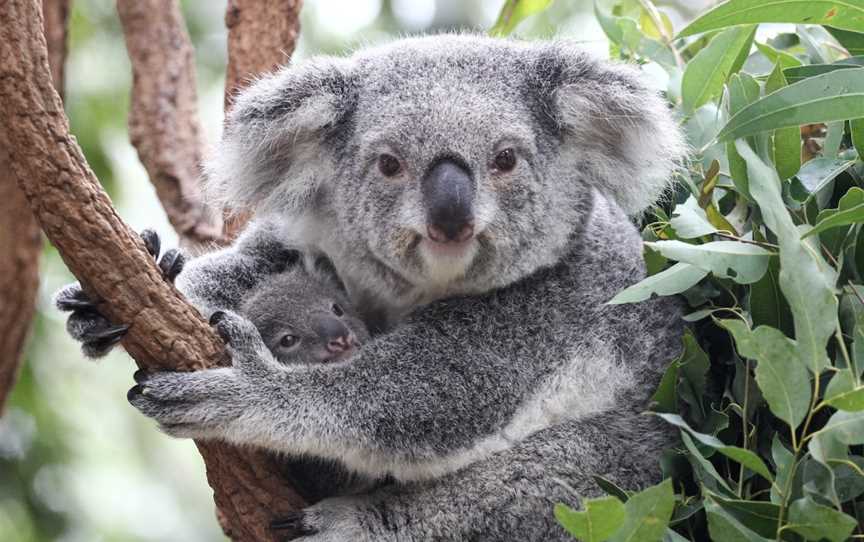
334, 334
448, 192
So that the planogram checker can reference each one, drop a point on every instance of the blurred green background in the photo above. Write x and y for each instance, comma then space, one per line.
77, 463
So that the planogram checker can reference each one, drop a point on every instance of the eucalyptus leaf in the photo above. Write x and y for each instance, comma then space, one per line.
782, 58
780, 374
852, 41
849, 211
785, 142
806, 280
647, 514
856, 128
600, 519
847, 15
724, 527
740, 455
674, 280
514, 12
744, 263
702, 465
795, 74
838, 95
705, 75
817, 522
760, 517
690, 221
818, 172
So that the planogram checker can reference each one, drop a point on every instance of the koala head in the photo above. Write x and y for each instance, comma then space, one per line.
304, 316
456, 163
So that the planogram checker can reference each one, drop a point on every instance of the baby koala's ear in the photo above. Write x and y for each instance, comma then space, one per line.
271, 151
612, 122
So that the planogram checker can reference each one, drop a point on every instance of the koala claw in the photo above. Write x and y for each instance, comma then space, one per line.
294, 524
151, 242
171, 263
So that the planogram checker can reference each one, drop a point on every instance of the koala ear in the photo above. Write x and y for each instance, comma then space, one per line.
272, 153
618, 129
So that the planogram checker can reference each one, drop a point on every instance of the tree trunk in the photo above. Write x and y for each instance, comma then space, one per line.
20, 239
110, 260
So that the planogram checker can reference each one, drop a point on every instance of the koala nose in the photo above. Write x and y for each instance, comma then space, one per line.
448, 192
333, 333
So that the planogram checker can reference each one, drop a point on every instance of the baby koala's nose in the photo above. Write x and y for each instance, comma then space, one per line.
334, 334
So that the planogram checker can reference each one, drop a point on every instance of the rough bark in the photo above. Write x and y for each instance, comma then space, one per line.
163, 116
20, 239
262, 35
110, 260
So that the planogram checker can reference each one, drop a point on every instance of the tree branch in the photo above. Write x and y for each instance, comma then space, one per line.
111, 261
163, 114
20, 239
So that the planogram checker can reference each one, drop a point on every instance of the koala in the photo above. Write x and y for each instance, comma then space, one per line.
474, 194
303, 316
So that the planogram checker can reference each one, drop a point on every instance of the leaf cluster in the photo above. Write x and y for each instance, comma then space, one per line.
763, 238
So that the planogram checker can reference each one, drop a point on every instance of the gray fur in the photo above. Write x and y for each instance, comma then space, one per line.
500, 371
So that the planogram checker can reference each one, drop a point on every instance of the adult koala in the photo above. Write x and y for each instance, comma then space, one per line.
473, 194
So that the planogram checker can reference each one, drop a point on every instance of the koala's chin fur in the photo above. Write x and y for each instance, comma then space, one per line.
498, 376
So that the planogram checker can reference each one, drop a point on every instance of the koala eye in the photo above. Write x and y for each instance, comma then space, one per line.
505, 160
389, 165
288, 341
337, 309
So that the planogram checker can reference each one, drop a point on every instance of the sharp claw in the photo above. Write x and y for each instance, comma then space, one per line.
107, 334
140, 376
152, 242
73, 304
134, 392
216, 317
171, 264
293, 521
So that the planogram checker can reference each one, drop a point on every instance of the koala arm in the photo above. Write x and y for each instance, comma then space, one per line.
457, 381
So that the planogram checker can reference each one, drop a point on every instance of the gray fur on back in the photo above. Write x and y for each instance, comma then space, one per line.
496, 373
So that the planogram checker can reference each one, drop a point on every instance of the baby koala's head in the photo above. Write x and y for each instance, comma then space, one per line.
304, 315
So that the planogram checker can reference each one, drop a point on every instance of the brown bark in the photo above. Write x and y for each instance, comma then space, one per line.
163, 114
110, 260
20, 239
262, 35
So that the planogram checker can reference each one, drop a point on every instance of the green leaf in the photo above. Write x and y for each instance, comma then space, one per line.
711, 67
817, 522
856, 127
674, 280
690, 221
724, 527
740, 455
850, 401
601, 518
846, 427
784, 460
806, 280
767, 305
702, 465
785, 60
849, 211
609, 487
758, 516
783, 379
648, 514
693, 370
742, 91
665, 398
818, 172
796, 74
785, 142
838, 95
852, 41
514, 12
742, 262
848, 14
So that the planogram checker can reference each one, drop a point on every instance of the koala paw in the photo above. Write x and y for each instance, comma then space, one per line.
244, 342
87, 325
332, 520
198, 404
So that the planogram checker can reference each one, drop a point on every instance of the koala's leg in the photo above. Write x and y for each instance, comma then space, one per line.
508, 497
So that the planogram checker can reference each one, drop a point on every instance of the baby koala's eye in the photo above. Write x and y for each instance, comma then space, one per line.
288, 340
389, 165
505, 160
337, 309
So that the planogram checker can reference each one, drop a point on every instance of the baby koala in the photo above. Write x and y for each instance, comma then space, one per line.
304, 316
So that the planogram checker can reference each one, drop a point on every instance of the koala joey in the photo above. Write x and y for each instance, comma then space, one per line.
474, 196
304, 316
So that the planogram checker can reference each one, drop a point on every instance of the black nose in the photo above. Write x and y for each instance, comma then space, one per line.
333, 333
448, 191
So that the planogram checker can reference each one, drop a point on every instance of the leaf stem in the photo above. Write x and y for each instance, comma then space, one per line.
747, 241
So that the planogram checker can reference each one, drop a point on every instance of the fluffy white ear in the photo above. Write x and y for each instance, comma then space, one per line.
617, 127
272, 151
